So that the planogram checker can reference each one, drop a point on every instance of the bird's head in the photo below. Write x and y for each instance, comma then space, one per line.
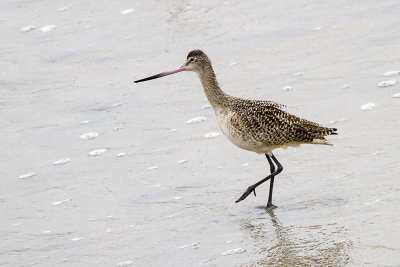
196, 61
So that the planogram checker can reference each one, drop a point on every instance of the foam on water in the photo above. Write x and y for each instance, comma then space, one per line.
391, 73
190, 245
233, 251
336, 121
28, 28
212, 135
56, 203
62, 161
299, 73
124, 263
386, 83
368, 106
47, 28
127, 11
27, 175
76, 239
196, 120
91, 135
396, 95
181, 161
371, 154
152, 168
118, 104
97, 152
61, 9
121, 154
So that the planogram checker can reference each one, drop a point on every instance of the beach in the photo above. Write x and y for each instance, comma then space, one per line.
99, 171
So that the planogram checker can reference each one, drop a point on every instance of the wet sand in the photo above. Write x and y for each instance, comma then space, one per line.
156, 192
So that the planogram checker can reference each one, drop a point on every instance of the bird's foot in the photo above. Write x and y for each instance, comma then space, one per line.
270, 207
246, 193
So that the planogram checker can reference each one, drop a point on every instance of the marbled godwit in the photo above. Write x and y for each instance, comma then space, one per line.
254, 125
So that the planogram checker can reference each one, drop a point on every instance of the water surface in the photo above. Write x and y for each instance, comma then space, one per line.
160, 193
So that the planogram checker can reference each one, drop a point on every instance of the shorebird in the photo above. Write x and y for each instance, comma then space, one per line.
255, 125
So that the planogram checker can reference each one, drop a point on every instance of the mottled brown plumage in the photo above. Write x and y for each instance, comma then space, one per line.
254, 125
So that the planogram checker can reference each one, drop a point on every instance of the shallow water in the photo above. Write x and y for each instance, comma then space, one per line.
160, 192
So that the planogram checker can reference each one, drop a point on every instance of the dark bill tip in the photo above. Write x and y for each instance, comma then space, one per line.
162, 74
150, 78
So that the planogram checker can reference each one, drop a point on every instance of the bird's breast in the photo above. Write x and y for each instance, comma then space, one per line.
240, 136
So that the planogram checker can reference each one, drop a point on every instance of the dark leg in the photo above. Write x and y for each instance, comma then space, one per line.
252, 188
271, 184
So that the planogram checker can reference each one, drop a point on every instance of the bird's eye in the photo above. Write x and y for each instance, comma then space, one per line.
191, 59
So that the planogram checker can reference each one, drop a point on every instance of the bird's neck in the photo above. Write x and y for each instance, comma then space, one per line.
215, 95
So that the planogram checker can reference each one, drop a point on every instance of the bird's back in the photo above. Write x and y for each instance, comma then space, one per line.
261, 126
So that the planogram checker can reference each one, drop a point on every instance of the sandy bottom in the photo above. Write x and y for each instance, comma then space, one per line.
98, 171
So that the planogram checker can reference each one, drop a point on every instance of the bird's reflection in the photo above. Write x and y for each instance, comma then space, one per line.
279, 245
